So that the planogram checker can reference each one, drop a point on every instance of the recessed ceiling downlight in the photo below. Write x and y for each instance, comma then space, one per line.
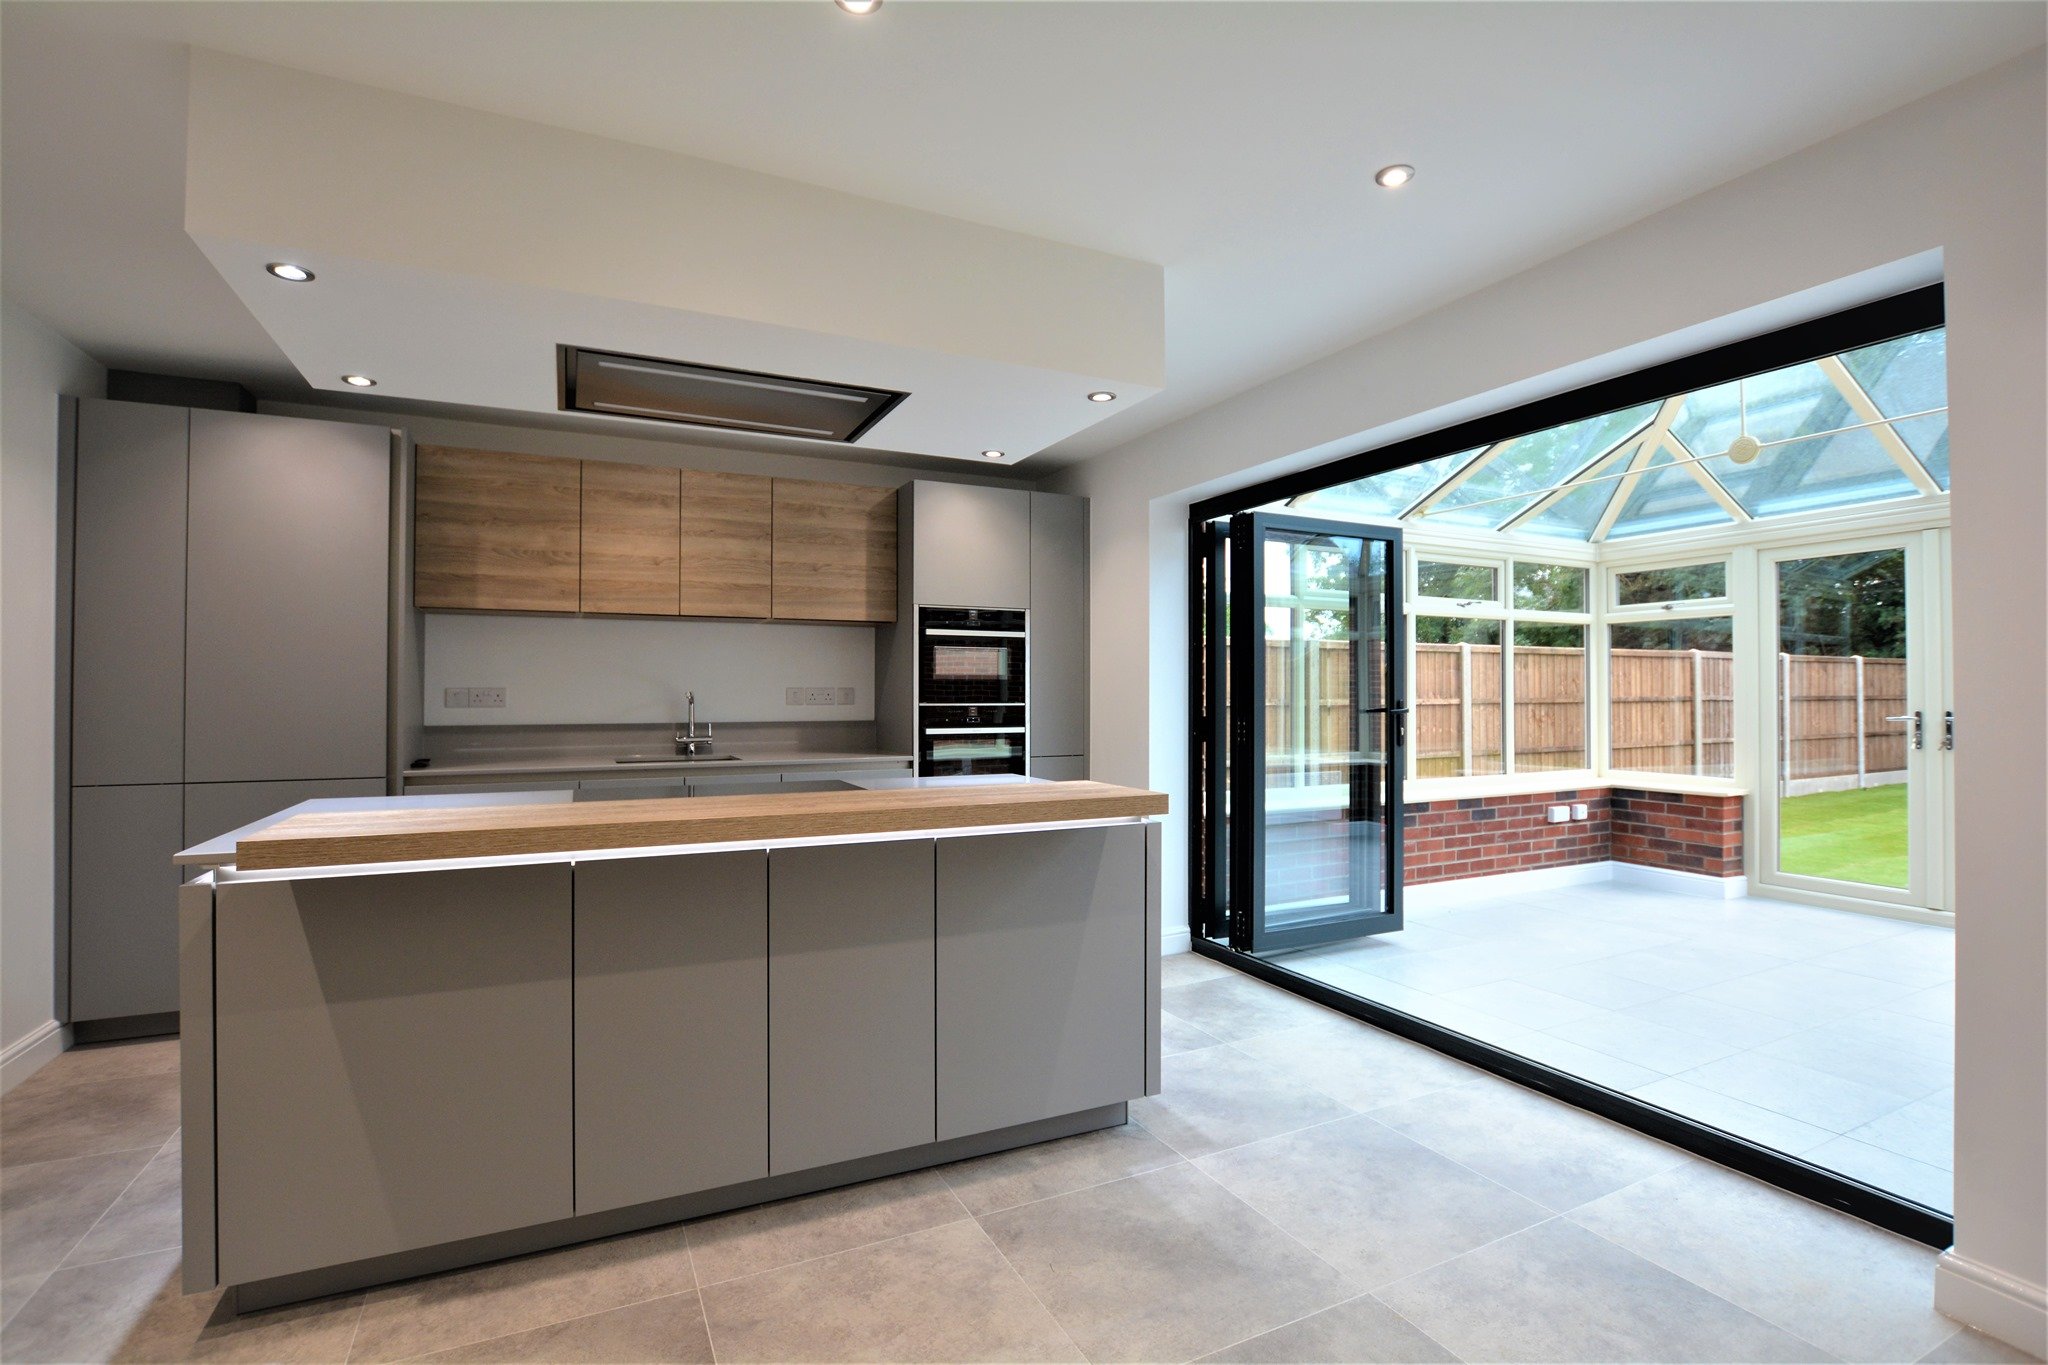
359, 381
1395, 176
285, 270
859, 6
991, 454
1102, 396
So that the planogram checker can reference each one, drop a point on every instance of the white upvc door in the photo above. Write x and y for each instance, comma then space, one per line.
1851, 795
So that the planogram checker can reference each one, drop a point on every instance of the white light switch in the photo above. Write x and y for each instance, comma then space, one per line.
454, 697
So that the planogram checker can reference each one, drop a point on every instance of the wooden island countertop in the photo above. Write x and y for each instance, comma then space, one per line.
351, 838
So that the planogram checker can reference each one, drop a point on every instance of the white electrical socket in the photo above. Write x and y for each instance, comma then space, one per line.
454, 697
1578, 810
487, 696
1557, 815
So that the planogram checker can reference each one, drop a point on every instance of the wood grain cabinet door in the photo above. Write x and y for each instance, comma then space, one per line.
631, 559
497, 532
728, 524
835, 552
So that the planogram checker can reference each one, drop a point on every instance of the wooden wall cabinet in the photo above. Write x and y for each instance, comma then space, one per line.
632, 546
835, 552
497, 532
728, 522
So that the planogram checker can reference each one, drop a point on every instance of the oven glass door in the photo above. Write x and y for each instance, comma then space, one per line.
959, 669
957, 751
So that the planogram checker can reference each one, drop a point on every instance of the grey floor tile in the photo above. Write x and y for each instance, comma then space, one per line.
1178, 1035
1559, 1293
1922, 958
46, 1206
945, 1294
465, 1306
1635, 1039
1235, 1006
1371, 1202
664, 1331
148, 1215
1555, 1154
1362, 1331
1887, 1170
1688, 1013
1908, 1069
112, 1061
1820, 1098
1582, 1061
47, 1118
1179, 969
748, 1241
1804, 993
1019, 1176
1974, 1348
1163, 1266
1688, 966
1924, 1130
1842, 1284
15, 1291
1221, 1097
1764, 1126
1356, 1064
1937, 1004
1518, 1002
1595, 987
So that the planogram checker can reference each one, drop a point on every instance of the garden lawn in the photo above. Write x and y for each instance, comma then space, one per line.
1851, 836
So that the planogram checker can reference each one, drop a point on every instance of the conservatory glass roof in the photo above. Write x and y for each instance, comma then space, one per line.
1864, 426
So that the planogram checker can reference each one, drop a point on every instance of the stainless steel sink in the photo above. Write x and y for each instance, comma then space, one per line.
677, 758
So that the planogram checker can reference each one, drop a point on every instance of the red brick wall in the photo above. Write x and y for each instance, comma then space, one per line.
1687, 833
1482, 835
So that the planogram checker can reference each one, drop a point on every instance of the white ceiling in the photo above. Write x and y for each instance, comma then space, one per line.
1231, 142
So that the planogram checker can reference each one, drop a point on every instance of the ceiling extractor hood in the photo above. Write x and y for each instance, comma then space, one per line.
713, 396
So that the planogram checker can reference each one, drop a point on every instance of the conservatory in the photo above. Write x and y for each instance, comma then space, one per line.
1617, 745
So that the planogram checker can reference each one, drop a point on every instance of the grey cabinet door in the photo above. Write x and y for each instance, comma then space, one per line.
849, 1002
124, 900
971, 547
1060, 768
1041, 975
214, 808
1059, 624
128, 595
392, 1063
671, 1026
287, 598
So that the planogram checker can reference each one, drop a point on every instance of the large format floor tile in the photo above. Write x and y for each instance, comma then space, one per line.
1842, 1284
1020, 1176
1558, 1293
1360, 1067
1821, 1098
1362, 1330
148, 1215
47, 1118
1164, 1266
1234, 1006
664, 1331
1371, 1202
47, 1206
747, 1241
1220, 1097
945, 1294
1559, 1156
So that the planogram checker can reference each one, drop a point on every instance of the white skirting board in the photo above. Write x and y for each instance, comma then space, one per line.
27, 1055
1994, 1303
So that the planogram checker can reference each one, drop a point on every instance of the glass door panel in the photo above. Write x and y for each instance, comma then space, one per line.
1317, 728
1849, 730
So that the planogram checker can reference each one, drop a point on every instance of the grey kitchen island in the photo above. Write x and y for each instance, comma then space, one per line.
551, 1020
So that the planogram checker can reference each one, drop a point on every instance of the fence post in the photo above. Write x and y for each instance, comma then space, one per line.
1785, 724
1699, 714
1464, 708
1860, 726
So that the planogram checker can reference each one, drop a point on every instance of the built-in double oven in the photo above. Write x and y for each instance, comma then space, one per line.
971, 710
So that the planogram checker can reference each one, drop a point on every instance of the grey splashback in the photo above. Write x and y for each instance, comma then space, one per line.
601, 743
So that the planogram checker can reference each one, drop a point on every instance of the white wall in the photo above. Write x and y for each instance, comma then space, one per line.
36, 365
1950, 187
596, 670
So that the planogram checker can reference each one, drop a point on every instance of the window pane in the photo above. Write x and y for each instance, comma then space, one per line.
1686, 583
1668, 497
1550, 697
1457, 697
1809, 475
1905, 374
1671, 691
1927, 437
1463, 582
1540, 461
1549, 587
1384, 495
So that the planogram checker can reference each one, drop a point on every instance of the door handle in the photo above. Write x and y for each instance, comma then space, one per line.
1919, 727
1948, 730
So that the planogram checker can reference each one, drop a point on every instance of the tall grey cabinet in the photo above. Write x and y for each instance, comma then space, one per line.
966, 545
229, 586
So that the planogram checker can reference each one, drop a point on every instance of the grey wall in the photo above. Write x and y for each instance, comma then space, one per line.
36, 365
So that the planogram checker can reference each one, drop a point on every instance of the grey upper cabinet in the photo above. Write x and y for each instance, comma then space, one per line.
971, 546
1041, 975
1059, 624
128, 595
287, 598
850, 1014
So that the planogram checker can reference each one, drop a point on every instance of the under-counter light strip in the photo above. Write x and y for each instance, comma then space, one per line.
737, 383
710, 420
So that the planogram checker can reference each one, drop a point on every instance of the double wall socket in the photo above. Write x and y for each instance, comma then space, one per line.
817, 696
457, 697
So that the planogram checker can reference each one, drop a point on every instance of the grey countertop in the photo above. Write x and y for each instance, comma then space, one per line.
218, 852
591, 765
